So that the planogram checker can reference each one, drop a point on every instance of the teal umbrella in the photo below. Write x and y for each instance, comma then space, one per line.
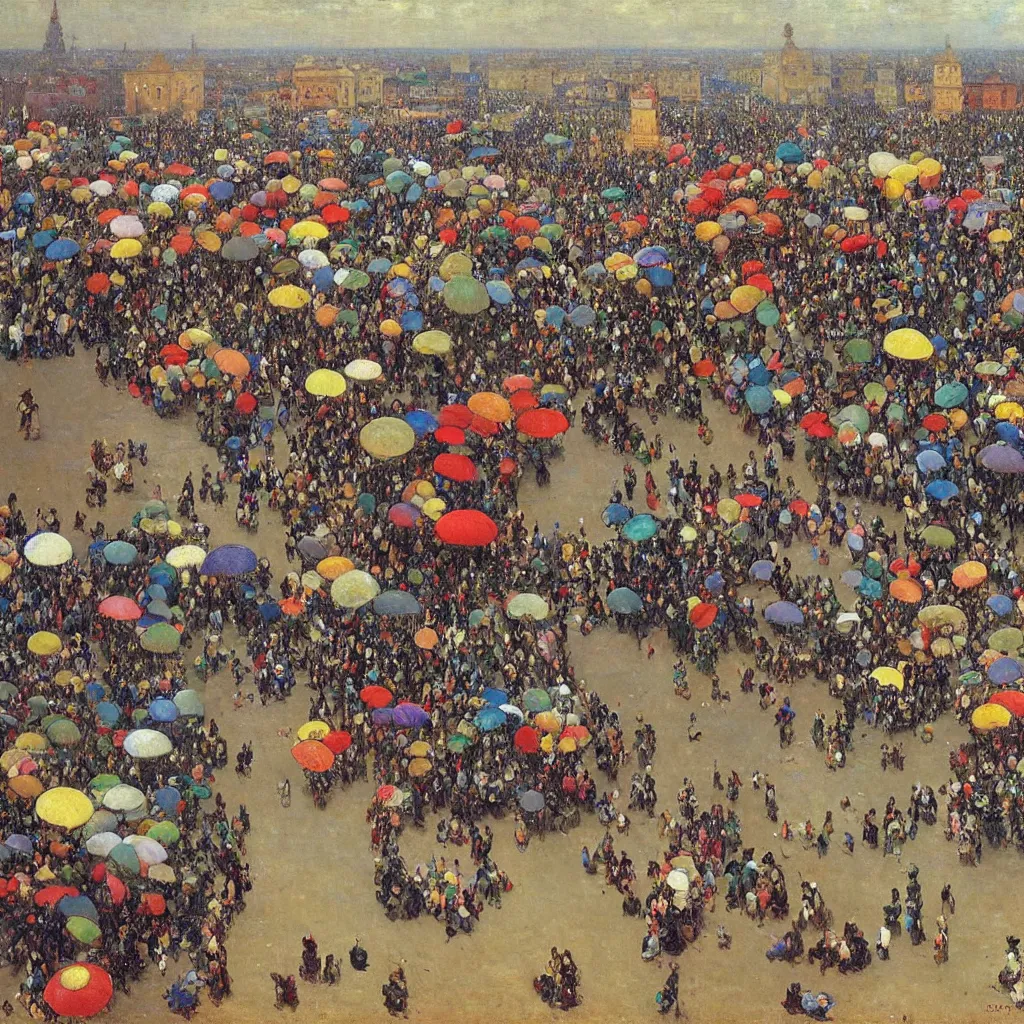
640, 528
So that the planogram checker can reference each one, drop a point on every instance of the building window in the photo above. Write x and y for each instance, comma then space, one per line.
159, 92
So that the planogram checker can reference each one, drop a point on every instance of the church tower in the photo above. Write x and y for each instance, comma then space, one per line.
947, 84
54, 45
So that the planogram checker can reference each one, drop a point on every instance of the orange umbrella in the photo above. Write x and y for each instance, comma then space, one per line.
313, 755
491, 406
426, 638
968, 575
326, 315
232, 362
906, 591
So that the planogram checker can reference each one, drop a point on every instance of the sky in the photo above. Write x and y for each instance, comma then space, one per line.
682, 24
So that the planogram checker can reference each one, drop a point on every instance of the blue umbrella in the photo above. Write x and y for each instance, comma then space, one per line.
640, 528
167, 799
410, 716
158, 610
582, 316
78, 906
762, 570
930, 461
854, 541
479, 152
942, 490
715, 582
396, 602
62, 249
1000, 604
660, 277
94, 691
616, 513
120, 552
759, 399
784, 613
421, 421
554, 316
495, 697
1005, 670
270, 611
412, 320
107, 712
41, 239
163, 710
490, 718
651, 256
380, 265
229, 560
323, 279
1000, 458
1008, 432
25, 199
222, 190
624, 601
156, 592
499, 292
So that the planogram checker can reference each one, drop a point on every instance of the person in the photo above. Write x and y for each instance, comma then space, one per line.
28, 409
668, 997
286, 992
358, 957
793, 1004
310, 968
332, 970
396, 994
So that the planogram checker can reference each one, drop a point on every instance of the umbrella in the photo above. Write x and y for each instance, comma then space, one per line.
79, 990
161, 638
410, 716
124, 798
48, 549
531, 801
313, 756
64, 807
527, 606
229, 560
784, 613
640, 528
466, 528
353, 589
624, 601
387, 437
123, 609
397, 602
147, 743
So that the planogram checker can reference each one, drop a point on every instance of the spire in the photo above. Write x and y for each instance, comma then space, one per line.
54, 45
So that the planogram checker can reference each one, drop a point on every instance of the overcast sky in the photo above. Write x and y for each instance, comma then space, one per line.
742, 24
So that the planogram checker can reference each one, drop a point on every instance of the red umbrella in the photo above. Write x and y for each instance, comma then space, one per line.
123, 609
762, 281
517, 382
799, 507
385, 793
1012, 700
703, 368
810, 418
466, 527
376, 696
703, 615
749, 500
527, 739
173, 355
778, 193
450, 435
542, 423
246, 403
751, 267
279, 156
507, 466
935, 421
523, 400
855, 243
182, 244
153, 904
313, 755
821, 431
459, 468
337, 741
79, 990
335, 214
177, 170
448, 236
97, 284
53, 894
455, 416
118, 890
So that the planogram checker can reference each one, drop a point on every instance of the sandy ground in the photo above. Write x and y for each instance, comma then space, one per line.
313, 871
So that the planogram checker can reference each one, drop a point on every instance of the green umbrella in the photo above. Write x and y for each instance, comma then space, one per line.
165, 832
348, 316
767, 313
83, 930
161, 638
537, 700
938, 536
64, 733
458, 743
875, 392
856, 416
858, 350
355, 280
466, 295
101, 783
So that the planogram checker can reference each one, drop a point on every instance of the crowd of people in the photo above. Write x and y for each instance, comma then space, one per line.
379, 328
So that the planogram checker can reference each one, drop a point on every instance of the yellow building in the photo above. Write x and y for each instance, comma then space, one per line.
459, 64
644, 127
947, 84
537, 79
683, 84
369, 87
160, 88
789, 76
323, 86
884, 88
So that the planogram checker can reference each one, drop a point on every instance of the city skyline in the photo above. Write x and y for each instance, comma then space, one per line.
523, 24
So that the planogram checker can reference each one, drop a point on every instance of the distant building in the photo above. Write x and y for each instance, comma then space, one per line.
323, 86
915, 93
991, 94
12, 97
54, 45
459, 64
947, 84
644, 124
790, 75
160, 88
369, 87
48, 95
884, 88
537, 79
681, 84
853, 79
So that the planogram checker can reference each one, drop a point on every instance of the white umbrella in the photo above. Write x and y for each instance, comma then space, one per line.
102, 843
148, 850
145, 743
123, 798
678, 880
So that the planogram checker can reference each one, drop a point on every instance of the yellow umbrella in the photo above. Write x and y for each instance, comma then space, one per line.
905, 173
334, 566
548, 721
418, 767
1009, 411
969, 574
64, 807
886, 676
990, 716
161, 210
354, 589
1000, 235
432, 343
906, 343
185, 556
309, 229
941, 615
567, 745
707, 230
325, 384
729, 509
44, 643
363, 369
419, 749
291, 185
208, 240
315, 730
746, 297
926, 167
289, 296
126, 249
387, 437
390, 328
433, 508
31, 741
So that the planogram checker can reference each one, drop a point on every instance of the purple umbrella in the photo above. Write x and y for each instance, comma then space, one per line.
383, 716
18, 842
1001, 458
1001, 672
931, 203
229, 560
410, 716
784, 613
